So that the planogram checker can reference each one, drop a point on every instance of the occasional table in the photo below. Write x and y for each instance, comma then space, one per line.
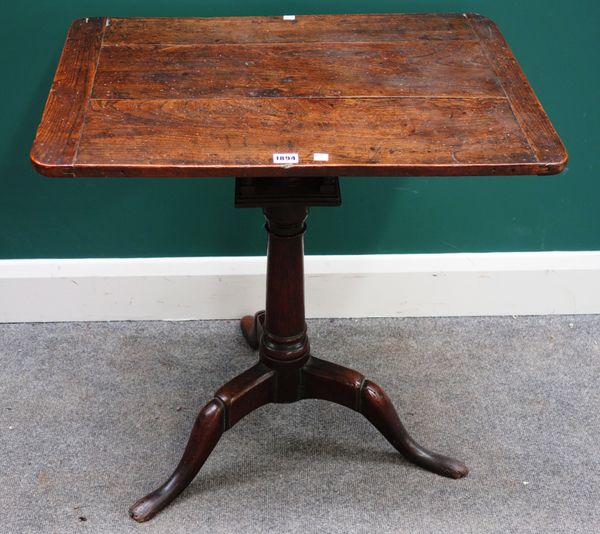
286, 105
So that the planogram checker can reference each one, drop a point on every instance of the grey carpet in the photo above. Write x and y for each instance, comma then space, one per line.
94, 415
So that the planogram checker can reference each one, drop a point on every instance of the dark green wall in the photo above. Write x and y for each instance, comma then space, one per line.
555, 41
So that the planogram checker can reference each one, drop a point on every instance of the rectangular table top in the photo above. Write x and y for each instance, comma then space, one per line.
318, 95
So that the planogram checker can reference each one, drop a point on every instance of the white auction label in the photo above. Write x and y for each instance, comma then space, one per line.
286, 159
321, 156
289, 17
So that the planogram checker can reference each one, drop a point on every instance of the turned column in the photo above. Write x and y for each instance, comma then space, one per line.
284, 344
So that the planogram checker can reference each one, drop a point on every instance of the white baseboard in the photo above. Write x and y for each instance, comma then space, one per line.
514, 283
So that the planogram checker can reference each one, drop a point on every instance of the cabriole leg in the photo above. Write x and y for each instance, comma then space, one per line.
237, 398
332, 382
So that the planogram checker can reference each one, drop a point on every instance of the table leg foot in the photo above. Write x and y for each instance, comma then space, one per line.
252, 328
377, 407
329, 381
248, 391
206, 432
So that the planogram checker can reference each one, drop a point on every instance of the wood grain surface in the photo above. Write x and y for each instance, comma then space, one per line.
58, 135
419, 68
304, 29
381, 95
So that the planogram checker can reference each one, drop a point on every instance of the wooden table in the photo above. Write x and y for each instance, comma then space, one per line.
286, 105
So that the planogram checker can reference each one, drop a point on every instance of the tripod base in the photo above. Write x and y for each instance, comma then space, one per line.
260, 385
286, 371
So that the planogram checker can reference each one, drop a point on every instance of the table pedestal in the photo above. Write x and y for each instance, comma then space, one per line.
286, 370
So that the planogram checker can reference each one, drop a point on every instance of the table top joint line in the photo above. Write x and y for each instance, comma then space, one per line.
89, 98
516, 115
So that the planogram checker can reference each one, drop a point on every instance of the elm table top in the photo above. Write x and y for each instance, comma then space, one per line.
393, 94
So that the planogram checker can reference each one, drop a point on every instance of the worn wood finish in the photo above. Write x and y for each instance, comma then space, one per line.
286, 371
305, 29
380, 94
56, 143
142, 132
141, 72
528, 111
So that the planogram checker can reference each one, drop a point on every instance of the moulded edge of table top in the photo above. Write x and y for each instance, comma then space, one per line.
54, 152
